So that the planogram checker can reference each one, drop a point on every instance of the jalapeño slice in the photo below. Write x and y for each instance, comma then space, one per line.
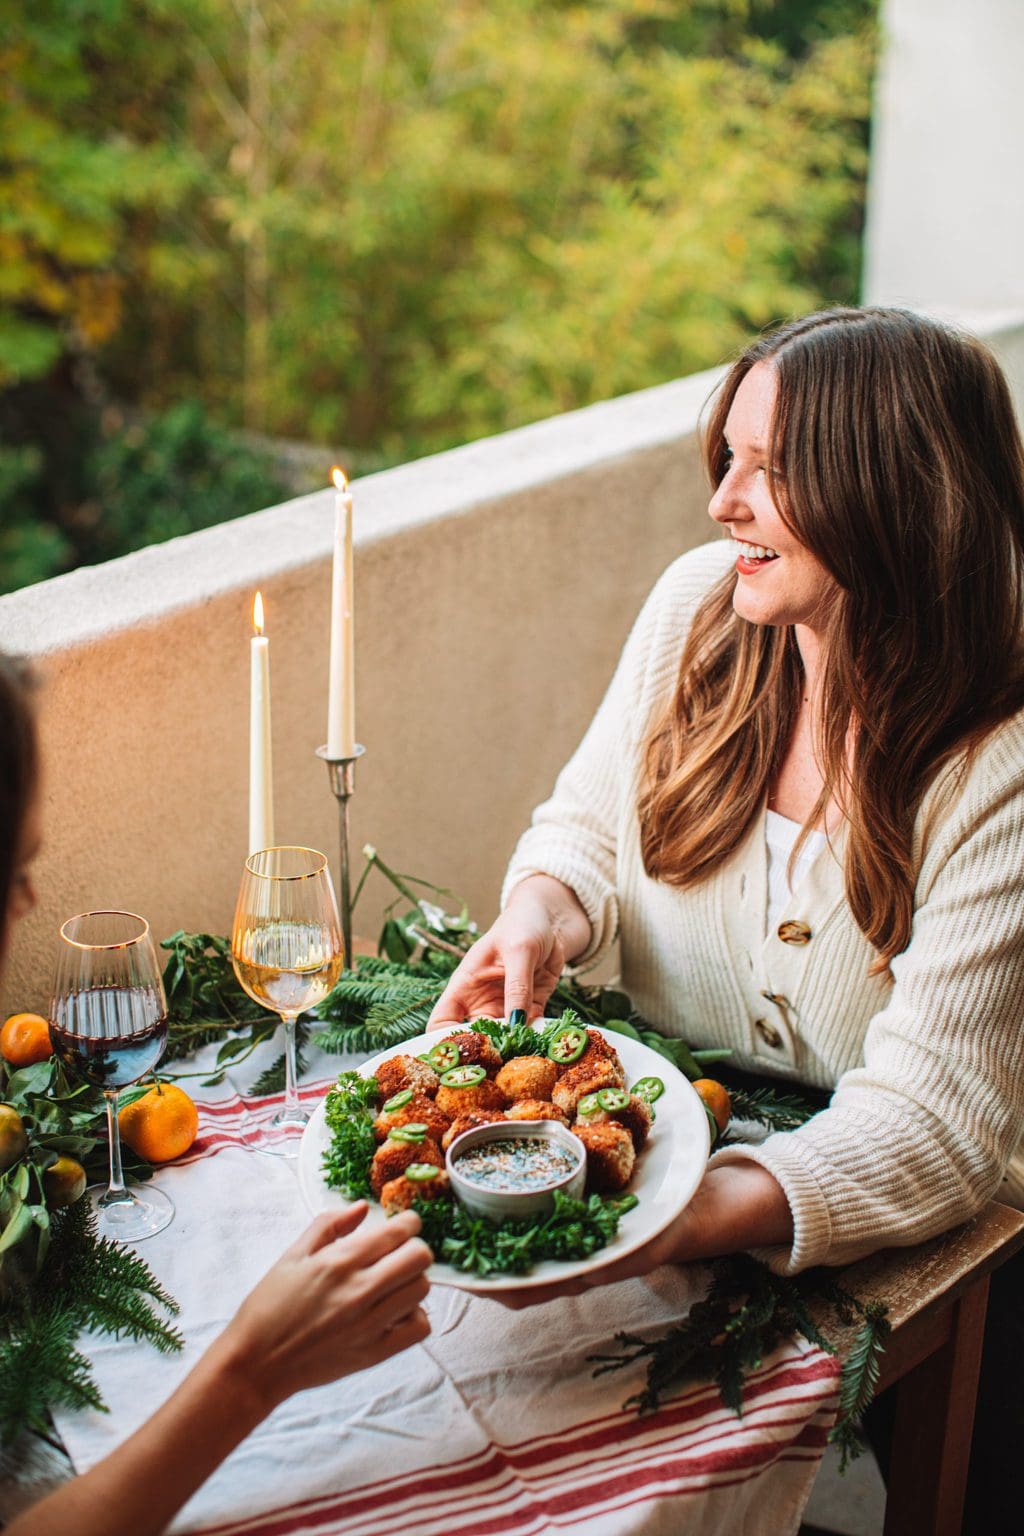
611, 1100
568, 1044
398, 1101
649, 1088
463, 1077
414, 1131
444, 1056
421, 1172
588, 1105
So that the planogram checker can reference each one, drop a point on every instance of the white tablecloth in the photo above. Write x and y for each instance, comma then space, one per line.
495, 1426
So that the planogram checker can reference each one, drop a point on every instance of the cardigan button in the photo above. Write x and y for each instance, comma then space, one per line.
769, 1034
793, 931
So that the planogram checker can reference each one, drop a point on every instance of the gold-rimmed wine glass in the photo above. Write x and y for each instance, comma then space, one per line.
108, 1025
287, 951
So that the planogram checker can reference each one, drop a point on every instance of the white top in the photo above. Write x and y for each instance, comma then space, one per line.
780, 835
926, 1063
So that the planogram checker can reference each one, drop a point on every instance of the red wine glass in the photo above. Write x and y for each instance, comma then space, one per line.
108, 1025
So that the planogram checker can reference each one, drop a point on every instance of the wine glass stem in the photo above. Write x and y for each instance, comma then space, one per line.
291, 1077
115, 1189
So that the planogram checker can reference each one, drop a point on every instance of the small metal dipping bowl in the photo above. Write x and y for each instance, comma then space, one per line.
501, 1204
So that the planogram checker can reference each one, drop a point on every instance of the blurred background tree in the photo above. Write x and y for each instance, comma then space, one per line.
387, 225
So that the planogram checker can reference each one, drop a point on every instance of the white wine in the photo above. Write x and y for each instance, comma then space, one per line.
288, 967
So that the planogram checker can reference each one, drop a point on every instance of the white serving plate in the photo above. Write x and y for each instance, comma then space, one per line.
668, 1171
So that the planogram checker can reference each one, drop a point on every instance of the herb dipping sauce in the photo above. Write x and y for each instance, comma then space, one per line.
515, 1164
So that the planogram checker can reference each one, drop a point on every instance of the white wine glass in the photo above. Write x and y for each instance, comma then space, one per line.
108, 1025
287, 951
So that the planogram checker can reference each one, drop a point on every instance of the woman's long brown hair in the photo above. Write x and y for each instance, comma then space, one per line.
900, 467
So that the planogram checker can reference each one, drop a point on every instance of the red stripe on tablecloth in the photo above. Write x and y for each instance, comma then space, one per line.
237, 1103
488, 1513
226, 1122
586, 1439
597, 1499
431, 1492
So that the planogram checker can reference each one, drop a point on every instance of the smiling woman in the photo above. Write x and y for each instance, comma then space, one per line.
800, 806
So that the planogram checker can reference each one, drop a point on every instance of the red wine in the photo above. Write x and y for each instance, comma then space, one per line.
111, 1036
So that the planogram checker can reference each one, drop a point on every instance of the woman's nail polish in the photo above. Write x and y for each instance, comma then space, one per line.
517, 1016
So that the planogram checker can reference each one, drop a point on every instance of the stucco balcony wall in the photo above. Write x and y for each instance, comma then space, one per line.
494, 587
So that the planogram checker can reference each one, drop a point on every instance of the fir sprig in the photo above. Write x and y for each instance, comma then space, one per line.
746, 1313
85, 1282
272, 1078
40, 1369
777, 1111
859, 1381
381, 1003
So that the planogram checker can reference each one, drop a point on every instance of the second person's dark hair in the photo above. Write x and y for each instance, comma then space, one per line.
18, 763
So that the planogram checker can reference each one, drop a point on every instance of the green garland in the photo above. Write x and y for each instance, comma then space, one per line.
57, 1275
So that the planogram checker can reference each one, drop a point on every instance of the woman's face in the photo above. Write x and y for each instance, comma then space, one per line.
779, 580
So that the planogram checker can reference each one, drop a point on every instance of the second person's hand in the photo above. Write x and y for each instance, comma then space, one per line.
341, 1298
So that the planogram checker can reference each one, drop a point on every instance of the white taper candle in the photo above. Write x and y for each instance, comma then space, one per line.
261, 768
341, 687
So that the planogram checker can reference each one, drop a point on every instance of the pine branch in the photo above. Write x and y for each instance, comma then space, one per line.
777, 1111
104, 1285
380, 1004
85, 1282
272, 1078
40, 1370
858, 1382
746, 1313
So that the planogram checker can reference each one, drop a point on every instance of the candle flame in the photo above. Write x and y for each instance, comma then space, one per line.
257, 613
340, 479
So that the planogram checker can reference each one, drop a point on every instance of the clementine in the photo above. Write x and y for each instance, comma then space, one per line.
13, 1141
64, 1182
25, 1039
716, 1100
161, 1125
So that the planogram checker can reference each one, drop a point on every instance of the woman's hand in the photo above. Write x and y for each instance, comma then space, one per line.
518, 961
736, 1207
336, 1301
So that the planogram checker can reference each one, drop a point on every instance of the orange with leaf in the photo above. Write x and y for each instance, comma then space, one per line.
161, 1125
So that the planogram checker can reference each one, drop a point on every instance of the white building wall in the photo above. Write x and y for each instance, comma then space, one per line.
945, 224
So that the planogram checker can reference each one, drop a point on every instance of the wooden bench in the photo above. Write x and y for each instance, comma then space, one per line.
937, 1295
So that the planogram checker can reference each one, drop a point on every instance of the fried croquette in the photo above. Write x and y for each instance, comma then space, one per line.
527, 1077
610, 1156
586, 1077
392, 1158
399, 1194
470, 1122
476, 1050
405, 1072
470, 1098
598, 1049
536, 1109
419, 1111
636, 1116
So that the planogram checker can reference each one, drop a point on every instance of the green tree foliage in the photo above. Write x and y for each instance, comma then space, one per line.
86, 170
401, 225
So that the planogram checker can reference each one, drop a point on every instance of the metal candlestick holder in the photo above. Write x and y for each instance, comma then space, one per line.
342, 773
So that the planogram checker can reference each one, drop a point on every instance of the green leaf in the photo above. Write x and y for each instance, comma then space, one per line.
18, 1225
29, 1080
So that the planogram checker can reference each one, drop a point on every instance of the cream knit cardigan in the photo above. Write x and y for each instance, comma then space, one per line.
926, 1118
